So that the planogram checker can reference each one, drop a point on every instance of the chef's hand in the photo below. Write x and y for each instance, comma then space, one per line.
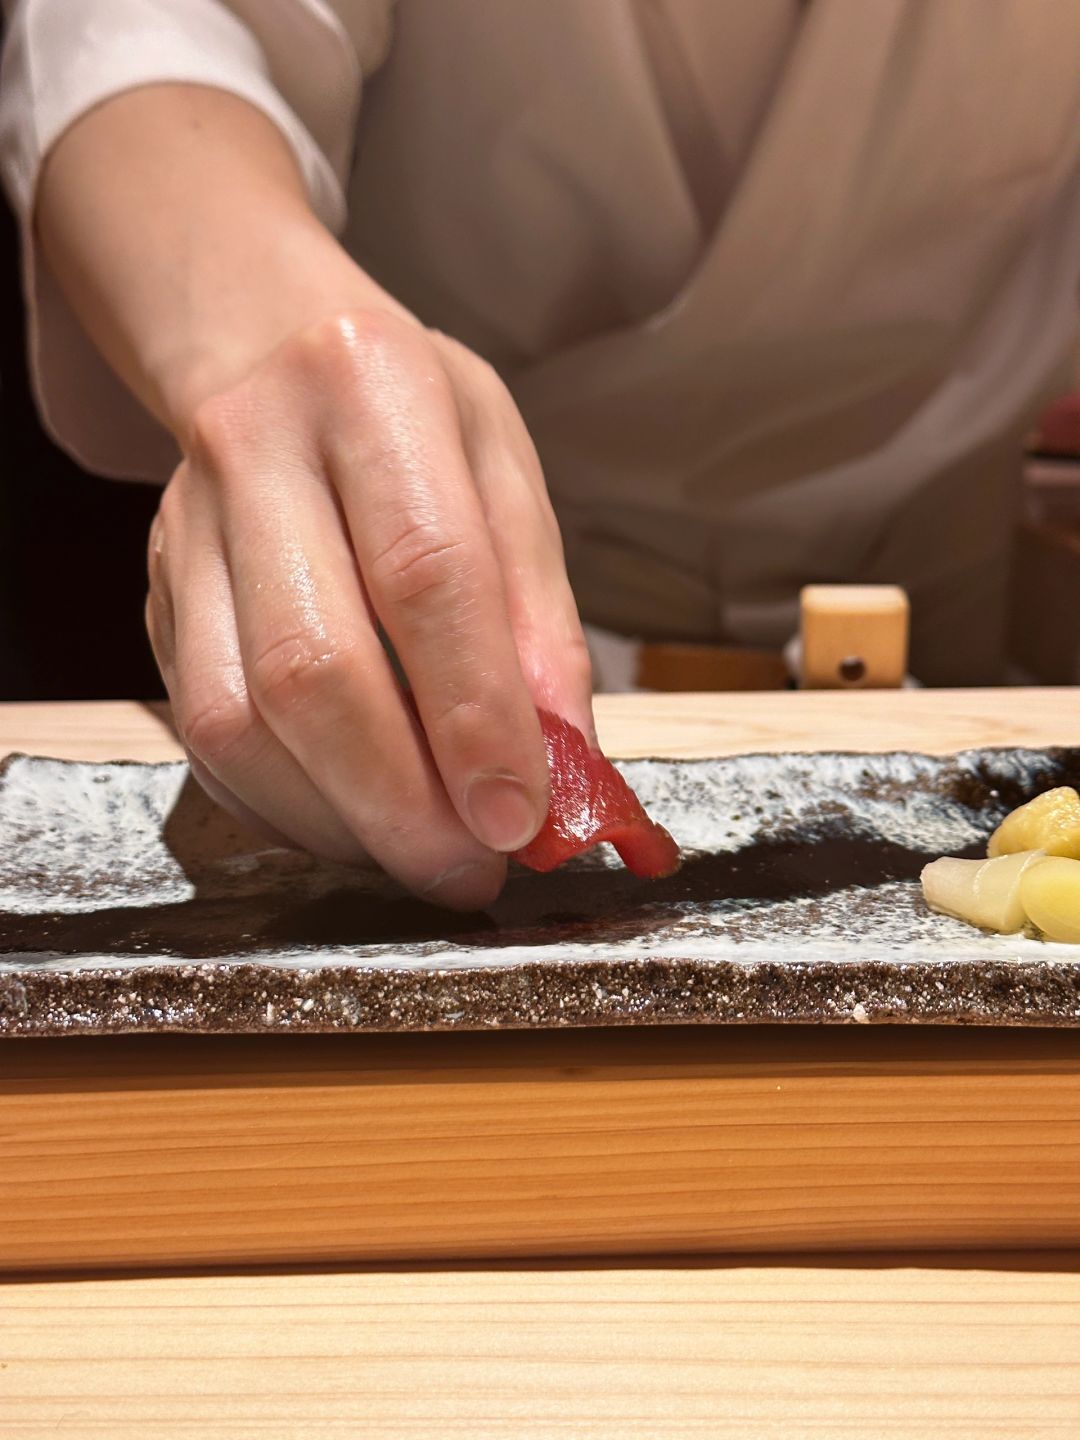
348, 475
369, 476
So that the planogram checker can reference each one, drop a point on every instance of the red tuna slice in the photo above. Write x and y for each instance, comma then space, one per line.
590, 803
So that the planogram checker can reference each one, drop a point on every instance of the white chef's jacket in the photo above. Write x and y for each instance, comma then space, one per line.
777, 286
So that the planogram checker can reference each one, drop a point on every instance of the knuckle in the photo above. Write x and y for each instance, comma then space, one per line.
153, 630
295, 671
176, 494
469, 720
215, 433
577, 662
380, 330
161, 628
419, 567
489, 720
155, 549
215, 728
484, 378
354, 345
477, 382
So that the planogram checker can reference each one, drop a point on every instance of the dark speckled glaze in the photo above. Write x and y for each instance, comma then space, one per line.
127, 902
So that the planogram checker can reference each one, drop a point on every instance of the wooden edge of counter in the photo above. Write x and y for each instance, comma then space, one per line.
676, 725
188, 1151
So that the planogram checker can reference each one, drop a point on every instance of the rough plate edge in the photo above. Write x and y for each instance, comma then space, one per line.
558, 994
642, 992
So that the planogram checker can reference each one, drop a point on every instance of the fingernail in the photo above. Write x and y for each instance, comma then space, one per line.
501, 811
464, 887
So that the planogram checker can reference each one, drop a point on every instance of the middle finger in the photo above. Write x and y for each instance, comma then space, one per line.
319, 675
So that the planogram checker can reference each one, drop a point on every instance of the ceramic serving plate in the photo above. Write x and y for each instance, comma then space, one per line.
128, 903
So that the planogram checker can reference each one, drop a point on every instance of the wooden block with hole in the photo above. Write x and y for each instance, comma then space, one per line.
854, 637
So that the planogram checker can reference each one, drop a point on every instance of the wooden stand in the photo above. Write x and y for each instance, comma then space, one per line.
854, 637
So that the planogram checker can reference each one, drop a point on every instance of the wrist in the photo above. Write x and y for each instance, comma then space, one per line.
177, 223
306, 277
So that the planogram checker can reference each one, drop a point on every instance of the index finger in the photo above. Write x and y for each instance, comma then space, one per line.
434, 581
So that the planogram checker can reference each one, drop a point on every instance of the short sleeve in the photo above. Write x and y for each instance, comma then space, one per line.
295, 60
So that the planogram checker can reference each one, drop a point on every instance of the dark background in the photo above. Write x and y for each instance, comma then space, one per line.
72, 547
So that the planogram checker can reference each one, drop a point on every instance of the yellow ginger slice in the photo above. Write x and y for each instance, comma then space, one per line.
1050, 822
1050, 894
986, 893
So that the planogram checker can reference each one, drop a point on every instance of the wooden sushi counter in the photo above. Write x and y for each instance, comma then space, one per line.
908, 1204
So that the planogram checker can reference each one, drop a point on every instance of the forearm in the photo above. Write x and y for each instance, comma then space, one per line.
177, 223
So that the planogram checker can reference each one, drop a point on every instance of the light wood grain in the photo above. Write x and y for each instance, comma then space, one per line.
173, 1151
980, 1349
90, 730
936, 721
